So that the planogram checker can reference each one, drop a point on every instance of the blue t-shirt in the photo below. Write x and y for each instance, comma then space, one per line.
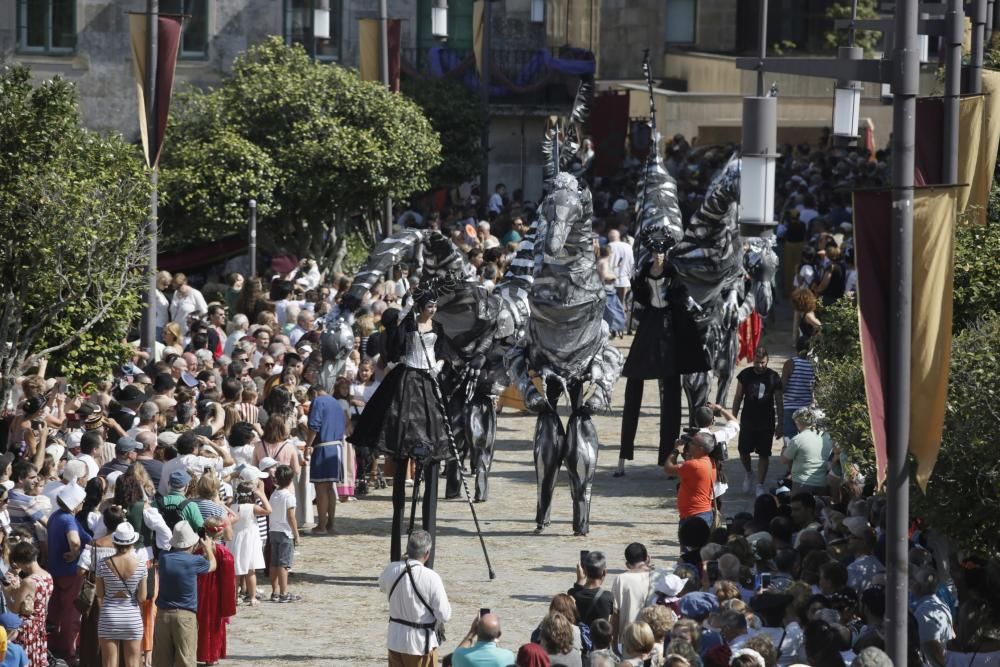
482, 654
15, 656
61, 523
178, 571
327, 419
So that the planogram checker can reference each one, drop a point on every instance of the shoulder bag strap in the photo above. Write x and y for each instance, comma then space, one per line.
118, 574
396, 583
416, 591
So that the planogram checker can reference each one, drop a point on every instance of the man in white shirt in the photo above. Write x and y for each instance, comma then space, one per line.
622, 262
163, 279
186, 300
187, 460
633, 586
704, 417
304, 323
495, 204
418, 605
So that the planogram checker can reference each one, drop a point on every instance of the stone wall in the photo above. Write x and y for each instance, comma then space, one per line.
101, 65
716, 25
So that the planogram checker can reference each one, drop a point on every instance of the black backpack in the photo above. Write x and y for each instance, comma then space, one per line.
172, 514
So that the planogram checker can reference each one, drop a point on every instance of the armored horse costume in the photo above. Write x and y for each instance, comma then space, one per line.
566, 346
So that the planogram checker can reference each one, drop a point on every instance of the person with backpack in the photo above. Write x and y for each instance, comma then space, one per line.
592, 601
175, 506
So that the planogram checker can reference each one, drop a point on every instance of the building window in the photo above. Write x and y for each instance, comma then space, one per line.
315, 24
46, 26
194, 43
681, 16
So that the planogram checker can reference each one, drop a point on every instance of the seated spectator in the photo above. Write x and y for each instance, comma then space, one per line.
479, 648
556, 636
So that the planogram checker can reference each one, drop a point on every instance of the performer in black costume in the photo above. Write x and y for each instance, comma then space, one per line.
660, 351
403, 418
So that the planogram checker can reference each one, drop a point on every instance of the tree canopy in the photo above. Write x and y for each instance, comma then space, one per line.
311, 142
72, 208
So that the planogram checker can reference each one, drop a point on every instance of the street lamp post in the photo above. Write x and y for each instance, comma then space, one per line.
484, 91
253, 238
954, 27
902, 70
148, 333
978, 46
383, 20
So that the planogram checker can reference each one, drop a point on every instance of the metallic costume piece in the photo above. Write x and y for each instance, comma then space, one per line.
566, 345
336, 344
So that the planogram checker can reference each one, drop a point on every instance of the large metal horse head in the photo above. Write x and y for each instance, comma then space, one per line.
761, 263
658, 216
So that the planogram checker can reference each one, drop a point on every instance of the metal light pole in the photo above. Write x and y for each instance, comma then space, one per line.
954, 27
905, 88
148, 334
978, 45
253, 239
484, 91
902, 70
383, 20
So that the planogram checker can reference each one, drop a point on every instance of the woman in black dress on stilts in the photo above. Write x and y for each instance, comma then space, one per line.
403, 418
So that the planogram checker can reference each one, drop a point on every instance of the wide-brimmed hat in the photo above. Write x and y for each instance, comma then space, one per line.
184, 536
125, 535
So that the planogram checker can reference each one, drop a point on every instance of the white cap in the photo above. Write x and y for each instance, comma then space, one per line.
71, 495
56, 451
252, 474
267, 463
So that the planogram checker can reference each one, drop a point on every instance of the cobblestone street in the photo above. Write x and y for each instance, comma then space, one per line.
342, 618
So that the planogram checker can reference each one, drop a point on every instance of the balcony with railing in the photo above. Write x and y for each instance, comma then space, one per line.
523, 77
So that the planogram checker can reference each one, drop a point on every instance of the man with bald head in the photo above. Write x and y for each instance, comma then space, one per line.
479, 648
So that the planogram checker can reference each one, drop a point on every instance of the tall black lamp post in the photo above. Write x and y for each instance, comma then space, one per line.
902, 70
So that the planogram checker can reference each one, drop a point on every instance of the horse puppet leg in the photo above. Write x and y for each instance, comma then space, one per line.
581, 463
481, 429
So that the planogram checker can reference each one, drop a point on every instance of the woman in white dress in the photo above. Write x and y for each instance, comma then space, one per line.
246, 546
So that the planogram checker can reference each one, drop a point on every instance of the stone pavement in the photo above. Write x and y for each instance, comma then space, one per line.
342, 618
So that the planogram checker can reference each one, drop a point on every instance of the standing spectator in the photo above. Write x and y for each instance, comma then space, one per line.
758, 393
125, 453
99, 549
238, 328
284, 534
798, 376
934, 620
146, 456
697, 475
121, 588
247, 545
66, 539
216, 329
631, 588
31, 600
479, 648
175, 640
304, 323
163, 279
592, 601
622, 262
861, 541
494, 206
807, 454
186, 300
418, 604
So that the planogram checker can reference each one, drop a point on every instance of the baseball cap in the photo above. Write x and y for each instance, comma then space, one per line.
179, 479
267, 463
71, 495
10, 620
126, 444
252, 474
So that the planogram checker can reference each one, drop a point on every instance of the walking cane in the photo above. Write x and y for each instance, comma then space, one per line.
439, 397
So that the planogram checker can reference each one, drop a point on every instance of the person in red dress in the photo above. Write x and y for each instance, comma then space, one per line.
216, 598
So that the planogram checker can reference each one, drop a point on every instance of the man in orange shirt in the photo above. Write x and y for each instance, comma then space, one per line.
697, 475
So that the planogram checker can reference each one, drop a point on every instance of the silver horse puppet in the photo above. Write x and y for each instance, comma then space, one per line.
566, 348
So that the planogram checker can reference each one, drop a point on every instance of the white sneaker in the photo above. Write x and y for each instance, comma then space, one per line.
747, 484
760, 490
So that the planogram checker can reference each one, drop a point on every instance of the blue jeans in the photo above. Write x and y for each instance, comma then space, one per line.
788, 428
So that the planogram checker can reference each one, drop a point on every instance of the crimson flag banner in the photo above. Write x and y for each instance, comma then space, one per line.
934, 220
168, 37
930, 129
872, 220
608, 129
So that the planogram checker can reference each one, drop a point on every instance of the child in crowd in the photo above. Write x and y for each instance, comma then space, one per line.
284, 534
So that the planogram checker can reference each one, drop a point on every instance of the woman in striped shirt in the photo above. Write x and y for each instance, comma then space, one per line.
798, 377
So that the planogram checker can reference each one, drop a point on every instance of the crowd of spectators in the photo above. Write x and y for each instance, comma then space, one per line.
136, 513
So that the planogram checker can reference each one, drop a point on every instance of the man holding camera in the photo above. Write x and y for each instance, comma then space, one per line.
696, 472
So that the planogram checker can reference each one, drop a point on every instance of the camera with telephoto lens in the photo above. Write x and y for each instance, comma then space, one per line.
688, 435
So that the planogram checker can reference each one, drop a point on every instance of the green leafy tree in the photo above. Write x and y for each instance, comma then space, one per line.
866, 39
326, 145
458, 116
72, 207
964, 490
